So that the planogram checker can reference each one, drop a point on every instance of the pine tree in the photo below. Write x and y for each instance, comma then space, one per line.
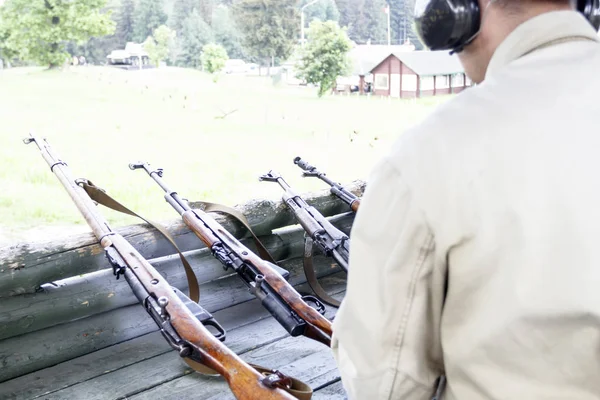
324, 10
347, 10
125, 23
205, 9
181, 10
402, 21
226, 32
149, 15
194, 35
370, 23
270, 27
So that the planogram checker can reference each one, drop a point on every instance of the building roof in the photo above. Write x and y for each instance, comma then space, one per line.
366, 57
427, 63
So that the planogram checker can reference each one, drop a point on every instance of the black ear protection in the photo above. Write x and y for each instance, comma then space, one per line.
453, 24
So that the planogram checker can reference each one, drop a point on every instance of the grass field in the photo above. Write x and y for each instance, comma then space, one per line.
100, 119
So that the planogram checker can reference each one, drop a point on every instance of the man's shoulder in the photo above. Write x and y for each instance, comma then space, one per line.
446, 129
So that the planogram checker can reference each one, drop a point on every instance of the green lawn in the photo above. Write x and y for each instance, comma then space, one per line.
101, 119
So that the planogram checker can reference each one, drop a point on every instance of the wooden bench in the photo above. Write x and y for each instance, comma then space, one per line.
70, 330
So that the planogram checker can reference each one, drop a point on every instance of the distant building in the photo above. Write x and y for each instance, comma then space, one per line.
418, 74
366, 56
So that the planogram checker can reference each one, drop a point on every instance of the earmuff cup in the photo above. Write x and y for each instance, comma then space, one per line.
452, 24
591, 11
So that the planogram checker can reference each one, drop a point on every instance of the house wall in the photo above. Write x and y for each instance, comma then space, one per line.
404, 78
381, 77
392, 73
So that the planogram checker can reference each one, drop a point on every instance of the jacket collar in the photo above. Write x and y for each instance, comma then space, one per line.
540, 31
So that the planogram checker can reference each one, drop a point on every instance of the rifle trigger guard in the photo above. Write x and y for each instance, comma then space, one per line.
277, 379
320, 307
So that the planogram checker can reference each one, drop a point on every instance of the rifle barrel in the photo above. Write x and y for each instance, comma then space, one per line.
275, 293
336, 188
196, 342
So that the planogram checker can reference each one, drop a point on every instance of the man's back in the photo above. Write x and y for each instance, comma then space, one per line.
506, 180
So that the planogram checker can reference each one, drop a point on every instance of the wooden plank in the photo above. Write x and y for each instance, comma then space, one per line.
136, 379
100, 292
77, 373
310, 368
26, 266
30, 352
115, 357
334, 391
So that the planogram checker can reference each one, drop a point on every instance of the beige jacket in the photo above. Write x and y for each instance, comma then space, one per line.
476, 250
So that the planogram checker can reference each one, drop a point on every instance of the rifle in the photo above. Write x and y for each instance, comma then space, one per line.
182, 322
263, 278
330, 240
337, 189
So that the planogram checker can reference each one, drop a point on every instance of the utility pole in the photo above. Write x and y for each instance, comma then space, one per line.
389, 31
302, 20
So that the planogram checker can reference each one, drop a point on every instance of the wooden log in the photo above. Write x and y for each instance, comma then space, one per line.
30, 352
25, 267
99, 292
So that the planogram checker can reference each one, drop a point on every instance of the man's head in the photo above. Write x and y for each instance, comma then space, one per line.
475, 28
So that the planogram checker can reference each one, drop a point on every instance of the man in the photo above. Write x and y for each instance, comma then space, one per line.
476, 250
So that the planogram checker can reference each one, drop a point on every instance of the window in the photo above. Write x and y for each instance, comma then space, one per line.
441, 82
427, 83
382, 81
458, 80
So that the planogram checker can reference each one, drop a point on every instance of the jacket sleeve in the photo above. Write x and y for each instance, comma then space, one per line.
386, 338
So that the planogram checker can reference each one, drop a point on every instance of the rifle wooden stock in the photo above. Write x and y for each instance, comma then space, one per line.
203, 225
244, 381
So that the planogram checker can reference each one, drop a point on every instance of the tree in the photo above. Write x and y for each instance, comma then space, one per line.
270, 27
195, 33
213, 58
149, 15
325, 57
402, 21
369, 22
206, 10
6, 54
159, 44
125, 23
96, 49
323, 10
226, 33
38, 30
346, 11
182, 9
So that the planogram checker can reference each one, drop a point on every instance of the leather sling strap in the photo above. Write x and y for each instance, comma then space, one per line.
311, 276
309, 269
238, 216
297, 388
99, 196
